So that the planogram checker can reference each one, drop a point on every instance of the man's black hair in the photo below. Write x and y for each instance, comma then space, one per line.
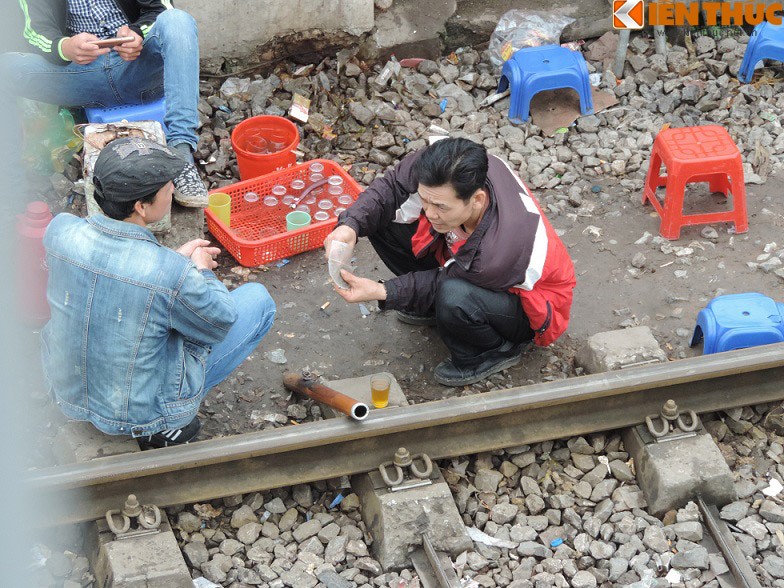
121, 210
461, 163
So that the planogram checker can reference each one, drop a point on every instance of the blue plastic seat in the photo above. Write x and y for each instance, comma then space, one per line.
131, 112
737, 321
766, 42
549, 67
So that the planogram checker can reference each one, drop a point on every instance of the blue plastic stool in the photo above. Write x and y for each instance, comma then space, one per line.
737, 321
131, 112
549, 67
766, 42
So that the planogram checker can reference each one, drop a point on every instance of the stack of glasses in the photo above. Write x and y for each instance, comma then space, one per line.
315, 196
258, 143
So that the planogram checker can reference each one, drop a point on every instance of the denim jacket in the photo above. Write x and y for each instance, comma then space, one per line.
132, 325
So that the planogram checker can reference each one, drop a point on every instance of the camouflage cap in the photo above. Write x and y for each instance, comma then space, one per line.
131, 168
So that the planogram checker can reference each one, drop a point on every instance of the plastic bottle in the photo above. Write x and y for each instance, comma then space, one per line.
391, 69
50, 142
32, 273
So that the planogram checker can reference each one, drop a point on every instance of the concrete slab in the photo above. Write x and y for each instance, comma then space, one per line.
613, 350
672, 473
397, 520
359, 389
475, 20
239, 28
77, 442
151, 561
410, 28
231, 28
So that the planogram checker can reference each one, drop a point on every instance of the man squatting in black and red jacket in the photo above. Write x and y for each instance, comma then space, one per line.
472, 253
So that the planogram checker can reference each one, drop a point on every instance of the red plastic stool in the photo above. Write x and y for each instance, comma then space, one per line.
695, 154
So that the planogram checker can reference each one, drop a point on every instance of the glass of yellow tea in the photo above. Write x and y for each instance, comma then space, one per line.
379, 390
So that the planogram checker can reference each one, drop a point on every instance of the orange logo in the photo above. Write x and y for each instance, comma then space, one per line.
628, 14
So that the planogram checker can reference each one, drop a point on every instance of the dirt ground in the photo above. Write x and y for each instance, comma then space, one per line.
673, 282
603, 239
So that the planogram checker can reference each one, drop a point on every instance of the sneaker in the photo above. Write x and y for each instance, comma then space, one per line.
416, 319
171, 437
506, 356
189, 189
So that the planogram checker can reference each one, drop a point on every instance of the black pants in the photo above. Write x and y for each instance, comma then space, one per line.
472, 321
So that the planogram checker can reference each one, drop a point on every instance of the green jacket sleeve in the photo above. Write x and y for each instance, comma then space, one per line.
44, 28
148, 12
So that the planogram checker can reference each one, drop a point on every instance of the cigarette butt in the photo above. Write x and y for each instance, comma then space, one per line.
325, 305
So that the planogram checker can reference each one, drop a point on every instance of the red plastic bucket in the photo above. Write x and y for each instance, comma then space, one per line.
264, 144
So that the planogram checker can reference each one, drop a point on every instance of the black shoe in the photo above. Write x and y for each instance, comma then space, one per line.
171, 437
506, 356
416, 319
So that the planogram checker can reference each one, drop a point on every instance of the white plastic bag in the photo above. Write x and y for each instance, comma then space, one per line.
518, 29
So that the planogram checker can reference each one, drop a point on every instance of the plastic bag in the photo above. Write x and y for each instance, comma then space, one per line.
234, 86
49, 138
518, 29
202, 582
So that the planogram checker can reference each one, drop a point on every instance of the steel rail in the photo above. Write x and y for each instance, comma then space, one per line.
733, 556
445, 428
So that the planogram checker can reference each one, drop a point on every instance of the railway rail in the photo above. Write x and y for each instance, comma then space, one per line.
442, 429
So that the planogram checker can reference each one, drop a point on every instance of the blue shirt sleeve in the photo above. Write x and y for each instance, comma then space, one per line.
202, 309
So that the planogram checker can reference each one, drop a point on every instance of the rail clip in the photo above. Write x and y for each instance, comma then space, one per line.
147, 519
669, 417
404, 460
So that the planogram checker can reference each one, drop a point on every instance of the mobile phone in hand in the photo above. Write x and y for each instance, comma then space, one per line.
113, 42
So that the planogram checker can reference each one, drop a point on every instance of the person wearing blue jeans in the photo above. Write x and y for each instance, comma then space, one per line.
139, 333
255, 306
58, 61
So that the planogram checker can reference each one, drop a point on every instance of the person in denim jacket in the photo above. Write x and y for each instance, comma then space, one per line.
140, 333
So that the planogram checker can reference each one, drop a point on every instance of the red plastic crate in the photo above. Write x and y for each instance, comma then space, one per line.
258, 235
